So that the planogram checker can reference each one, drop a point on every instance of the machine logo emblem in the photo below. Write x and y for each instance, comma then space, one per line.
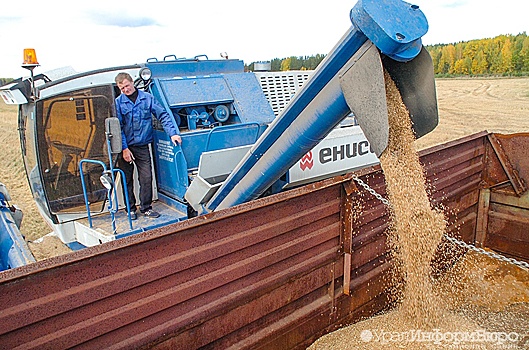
307, 161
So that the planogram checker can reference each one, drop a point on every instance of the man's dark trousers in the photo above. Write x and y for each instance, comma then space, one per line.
142, 159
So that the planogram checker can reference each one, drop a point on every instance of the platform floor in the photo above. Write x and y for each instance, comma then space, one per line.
103, 222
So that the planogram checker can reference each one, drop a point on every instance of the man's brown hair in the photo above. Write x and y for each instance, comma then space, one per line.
122, 76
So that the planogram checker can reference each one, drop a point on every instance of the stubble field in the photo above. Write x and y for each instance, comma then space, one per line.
466, 106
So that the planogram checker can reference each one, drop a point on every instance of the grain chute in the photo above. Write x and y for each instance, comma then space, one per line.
384, 35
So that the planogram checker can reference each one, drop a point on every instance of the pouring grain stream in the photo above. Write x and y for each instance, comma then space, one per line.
416, 231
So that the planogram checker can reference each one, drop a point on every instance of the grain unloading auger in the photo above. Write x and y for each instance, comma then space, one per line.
386, 34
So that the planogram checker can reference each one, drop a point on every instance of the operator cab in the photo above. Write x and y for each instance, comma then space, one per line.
66, 148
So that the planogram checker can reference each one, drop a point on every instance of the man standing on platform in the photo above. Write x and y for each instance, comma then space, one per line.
134, 109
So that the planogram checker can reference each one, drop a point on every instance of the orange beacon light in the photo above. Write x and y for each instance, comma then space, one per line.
30, 62
30, 58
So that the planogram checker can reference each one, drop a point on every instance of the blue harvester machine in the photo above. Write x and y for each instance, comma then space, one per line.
235, 148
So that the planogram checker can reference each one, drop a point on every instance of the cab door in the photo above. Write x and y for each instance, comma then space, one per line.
71, 127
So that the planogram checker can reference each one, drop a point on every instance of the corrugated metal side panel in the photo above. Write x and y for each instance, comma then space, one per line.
223, 277
508, 219
508, 213
267, 274
371, 264
454, 175
516, 148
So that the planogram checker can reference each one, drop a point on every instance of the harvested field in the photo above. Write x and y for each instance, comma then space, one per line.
466, 106
14, 177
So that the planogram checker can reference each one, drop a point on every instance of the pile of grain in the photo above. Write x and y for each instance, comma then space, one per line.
422, 319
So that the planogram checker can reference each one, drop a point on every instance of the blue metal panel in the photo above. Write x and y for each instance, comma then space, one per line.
398, 35
13, 249
252, 105
234, 135
171, 166
197, 91
193, 144
196, 142
188, 68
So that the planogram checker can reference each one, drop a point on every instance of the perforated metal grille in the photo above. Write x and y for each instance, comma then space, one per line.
279, 87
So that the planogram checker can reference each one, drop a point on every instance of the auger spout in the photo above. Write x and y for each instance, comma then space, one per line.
386, 34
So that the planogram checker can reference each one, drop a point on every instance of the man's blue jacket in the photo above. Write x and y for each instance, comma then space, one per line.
136, 119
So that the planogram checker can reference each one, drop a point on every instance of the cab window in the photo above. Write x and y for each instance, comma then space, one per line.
71, 127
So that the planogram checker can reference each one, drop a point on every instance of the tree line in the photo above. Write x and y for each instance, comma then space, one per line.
506, 55
292, 63
502, 55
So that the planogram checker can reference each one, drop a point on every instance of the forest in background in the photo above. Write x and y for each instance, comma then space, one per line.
503, 55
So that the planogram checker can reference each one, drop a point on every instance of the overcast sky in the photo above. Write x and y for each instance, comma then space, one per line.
101, 33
